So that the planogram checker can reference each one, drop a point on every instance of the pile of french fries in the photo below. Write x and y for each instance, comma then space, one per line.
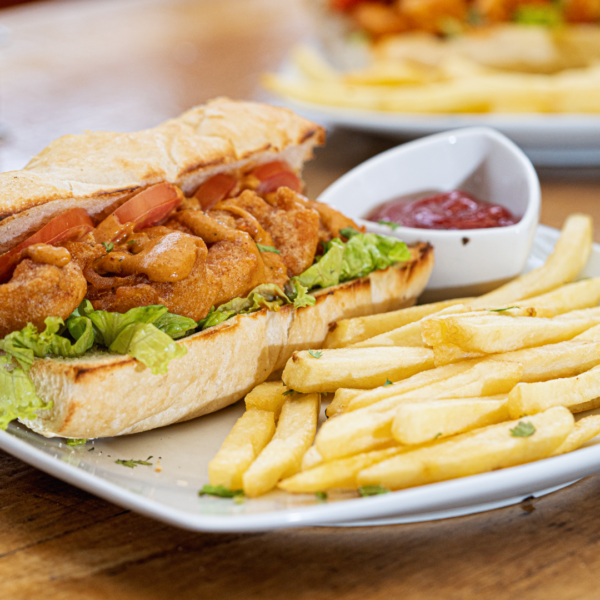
456, 85
432, 392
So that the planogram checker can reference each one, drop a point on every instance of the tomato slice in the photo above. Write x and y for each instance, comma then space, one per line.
150, 206
280, 179
71, 225
215, 189
269, 169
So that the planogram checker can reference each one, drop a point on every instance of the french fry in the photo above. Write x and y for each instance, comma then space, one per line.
365, 368
282, 456
341, 400
270, 396
447, 354
571, 392
335, 474
591, 335
585, 429
311, 63
347, 332
417, 423
445, 380
492, 334
361, 430
410, 335
311, 459
572, 296
252, 432
479, 451
554, 360
564, 264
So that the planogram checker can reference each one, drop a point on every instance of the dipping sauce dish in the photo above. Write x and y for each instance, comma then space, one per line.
478, 161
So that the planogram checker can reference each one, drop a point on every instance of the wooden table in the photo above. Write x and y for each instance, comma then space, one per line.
124, 65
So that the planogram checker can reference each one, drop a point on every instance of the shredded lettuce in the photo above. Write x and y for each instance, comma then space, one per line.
140, 332
547, 15
359, 256
18, 398
267, 295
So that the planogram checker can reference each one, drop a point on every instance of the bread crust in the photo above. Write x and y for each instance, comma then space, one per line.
103, 395
97, 171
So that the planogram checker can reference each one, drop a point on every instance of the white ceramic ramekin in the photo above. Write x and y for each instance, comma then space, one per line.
480, 161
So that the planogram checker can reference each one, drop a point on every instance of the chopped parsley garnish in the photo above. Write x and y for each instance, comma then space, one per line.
220, 491
523, 429
321, 496
134, 463
289, 392
393, 226
76, 442
437, 435
372, 490
268, 249
387, 382
315, 353
108, 247
132, 242
91, 449
501, 309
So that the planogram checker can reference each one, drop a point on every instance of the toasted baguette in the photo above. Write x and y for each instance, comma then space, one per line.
98, 171
102, 395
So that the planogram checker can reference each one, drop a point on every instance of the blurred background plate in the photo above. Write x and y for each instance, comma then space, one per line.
548, 140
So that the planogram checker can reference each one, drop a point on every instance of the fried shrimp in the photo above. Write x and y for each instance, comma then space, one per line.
293, 227
36, 291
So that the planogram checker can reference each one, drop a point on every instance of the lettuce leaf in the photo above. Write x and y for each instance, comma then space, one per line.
267, 295
18, 398
140, 332
326, 271
300, 296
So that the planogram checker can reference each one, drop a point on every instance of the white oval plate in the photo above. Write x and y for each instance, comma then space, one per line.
549, 140
185, 449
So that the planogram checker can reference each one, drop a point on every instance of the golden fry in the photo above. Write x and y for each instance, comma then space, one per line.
341, 400
270, 396
417, 423
479, 451
585, 429
252, 432
365, 368
282, 456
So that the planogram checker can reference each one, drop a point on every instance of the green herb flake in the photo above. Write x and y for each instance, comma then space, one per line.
523, 429
108, 247
132, 242
239, 499
387, 382
315, 353
268, 249
437, 435
321, 496
91, 449
393, 226
289, 392
502, 309
76, 442
133, 463
372, 490
220, 491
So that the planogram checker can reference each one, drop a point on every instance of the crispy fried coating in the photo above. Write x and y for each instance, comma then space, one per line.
37, 291
293, 227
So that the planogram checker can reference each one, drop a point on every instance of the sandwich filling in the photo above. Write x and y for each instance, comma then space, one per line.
162, 266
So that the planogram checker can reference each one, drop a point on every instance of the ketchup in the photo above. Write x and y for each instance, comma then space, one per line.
448, 210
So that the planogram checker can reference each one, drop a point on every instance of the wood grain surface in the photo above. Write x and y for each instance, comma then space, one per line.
128, 64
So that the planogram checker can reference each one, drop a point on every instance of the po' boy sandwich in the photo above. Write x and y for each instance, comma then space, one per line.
148, 278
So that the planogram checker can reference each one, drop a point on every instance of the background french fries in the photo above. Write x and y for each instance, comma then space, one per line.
252, 432
341, 400
417, 423
478, 451
283, 454
328, 370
